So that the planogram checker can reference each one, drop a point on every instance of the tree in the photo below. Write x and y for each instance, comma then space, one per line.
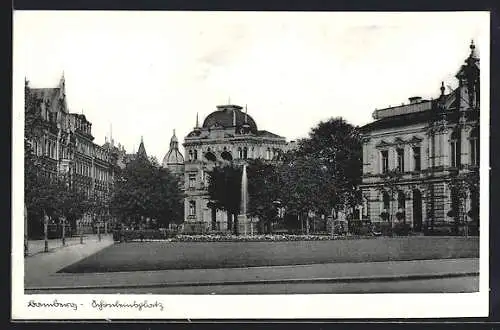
224, 189
307, 186
337, 145
143, 190
264, 191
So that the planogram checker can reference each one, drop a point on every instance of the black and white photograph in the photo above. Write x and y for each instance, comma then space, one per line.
250, 164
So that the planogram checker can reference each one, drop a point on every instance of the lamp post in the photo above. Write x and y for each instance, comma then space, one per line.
63, 221
45, 234
99, 231
80, 230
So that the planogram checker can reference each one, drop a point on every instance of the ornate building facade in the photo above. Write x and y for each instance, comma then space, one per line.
227, 135
421, 160
67, 147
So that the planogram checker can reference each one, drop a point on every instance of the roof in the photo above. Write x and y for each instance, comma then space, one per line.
229, 116
141, 152
173, 156
403, 109
53, 95
265, 133
399, 121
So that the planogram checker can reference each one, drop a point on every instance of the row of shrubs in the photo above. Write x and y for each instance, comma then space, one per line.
363, 231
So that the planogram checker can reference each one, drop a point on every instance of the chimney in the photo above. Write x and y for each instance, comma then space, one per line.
415, 99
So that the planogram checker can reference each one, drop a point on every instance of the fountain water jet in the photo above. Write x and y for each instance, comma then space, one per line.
244, 199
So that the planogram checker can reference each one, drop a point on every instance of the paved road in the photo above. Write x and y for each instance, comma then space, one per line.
449, 285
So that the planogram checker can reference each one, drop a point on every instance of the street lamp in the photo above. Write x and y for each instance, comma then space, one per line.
45, 235
63, 221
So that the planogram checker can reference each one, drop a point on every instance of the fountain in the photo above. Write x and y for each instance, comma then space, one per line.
242, 218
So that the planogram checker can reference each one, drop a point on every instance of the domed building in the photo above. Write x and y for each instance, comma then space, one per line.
174, 160
228, 135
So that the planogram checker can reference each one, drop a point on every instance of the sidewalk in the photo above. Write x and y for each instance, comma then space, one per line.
37, 246
40, 266
317, 273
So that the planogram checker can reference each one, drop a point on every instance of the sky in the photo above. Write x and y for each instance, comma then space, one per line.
144, 74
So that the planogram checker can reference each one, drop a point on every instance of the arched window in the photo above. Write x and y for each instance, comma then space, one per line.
245, 153
401, 200
455, 148
268, 153
226, 155
386, 200
195, 154
190, 155
474, 147
240, 153
210, 156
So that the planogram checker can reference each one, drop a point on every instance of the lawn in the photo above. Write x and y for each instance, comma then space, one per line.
139, 256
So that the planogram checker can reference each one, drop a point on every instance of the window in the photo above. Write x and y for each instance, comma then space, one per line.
195, 154
240, 153
401, 200
417, 159
192, 180
190, 155
474, 147
386, 201
455, 148
385, 160
268, 153
245, 153
192, 208
401, 160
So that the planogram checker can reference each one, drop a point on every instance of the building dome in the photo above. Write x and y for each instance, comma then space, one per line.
173, 156
229, 116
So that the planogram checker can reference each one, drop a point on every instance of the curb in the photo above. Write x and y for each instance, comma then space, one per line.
388, 278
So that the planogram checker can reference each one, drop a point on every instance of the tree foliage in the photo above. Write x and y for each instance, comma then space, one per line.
307, 185
336, 145
224, 189
264, 190
143, 190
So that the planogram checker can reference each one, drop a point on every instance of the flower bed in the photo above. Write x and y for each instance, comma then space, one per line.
252, 238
